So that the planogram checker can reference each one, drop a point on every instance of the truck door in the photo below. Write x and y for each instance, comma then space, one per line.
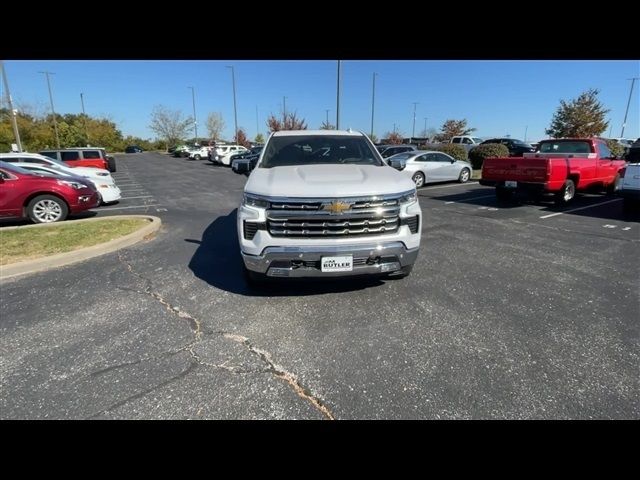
606, 168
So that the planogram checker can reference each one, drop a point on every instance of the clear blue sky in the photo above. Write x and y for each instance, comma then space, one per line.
496, 97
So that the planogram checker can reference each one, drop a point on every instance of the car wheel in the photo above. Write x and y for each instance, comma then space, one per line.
418, 179
196, 157
566, 193
465, 175
47, 209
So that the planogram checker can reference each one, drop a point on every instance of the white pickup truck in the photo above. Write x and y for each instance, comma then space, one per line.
323, 203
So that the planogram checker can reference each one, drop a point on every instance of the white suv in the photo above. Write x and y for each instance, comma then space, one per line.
222, 154
323, 203
628, 186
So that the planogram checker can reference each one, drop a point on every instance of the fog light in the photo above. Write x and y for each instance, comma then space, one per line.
389, 267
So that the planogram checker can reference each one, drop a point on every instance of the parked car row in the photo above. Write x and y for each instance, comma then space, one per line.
46, 189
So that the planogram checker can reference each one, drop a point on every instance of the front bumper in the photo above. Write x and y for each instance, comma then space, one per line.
304, 261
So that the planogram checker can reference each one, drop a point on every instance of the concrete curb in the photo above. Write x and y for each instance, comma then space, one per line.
67, 258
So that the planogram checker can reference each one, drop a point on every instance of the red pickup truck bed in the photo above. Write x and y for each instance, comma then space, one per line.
562, 167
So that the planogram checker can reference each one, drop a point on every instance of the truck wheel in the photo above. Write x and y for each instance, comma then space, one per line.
402, 273
418, 179
611, 188
254, 279
566, 193
47, 209
465, 174
111, 163
503, 194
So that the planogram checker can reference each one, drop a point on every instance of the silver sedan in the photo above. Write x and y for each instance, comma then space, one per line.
430, 166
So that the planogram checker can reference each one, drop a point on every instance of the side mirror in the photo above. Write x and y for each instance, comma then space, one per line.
453, 160
397, 164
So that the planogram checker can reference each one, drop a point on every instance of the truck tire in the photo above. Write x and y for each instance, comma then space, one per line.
566, 193
402, 273
611, 188
254, 279
503, 194
47, 209
111, 162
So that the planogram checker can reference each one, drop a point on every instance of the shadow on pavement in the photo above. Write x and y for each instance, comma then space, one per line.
217, 261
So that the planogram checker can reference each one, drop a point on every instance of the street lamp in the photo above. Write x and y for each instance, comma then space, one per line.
86, 129
55, 124
425, 126
338, 97
235, 111
373, 99
624, 123
12, 114
195, 119
284, 110
327, 110
413, 132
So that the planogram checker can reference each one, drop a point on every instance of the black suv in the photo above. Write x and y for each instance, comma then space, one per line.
516, 147
133, 149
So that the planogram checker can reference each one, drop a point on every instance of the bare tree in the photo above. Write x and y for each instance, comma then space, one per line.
169, 125
290, 121
327, 126
215, 125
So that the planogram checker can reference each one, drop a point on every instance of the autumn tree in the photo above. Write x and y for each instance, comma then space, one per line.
241, 138
169, 124
288, 121
581, 117
215, 125
453, 128
394, 138
327, 126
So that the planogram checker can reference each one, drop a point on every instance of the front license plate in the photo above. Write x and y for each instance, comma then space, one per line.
511, 184
337, 264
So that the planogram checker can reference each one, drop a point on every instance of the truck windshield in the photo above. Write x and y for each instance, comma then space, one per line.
318, 150
565, 147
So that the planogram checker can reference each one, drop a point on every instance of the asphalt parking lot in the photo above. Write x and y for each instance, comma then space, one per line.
518, 311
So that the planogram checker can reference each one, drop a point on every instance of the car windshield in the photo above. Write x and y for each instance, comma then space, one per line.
318, 150
477, 140
15, 169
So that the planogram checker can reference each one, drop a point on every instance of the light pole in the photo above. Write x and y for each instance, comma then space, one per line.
195, 119
235, 111
413, 132
373, 100
624, 123
55, 124
425, 126
12, 112
327, 111
338, 97
284, 110
525, 133
86, 129
257, 124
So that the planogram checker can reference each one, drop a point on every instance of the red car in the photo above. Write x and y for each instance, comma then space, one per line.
43, 199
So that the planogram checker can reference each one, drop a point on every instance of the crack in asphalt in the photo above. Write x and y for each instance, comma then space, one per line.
283, 374
272, 368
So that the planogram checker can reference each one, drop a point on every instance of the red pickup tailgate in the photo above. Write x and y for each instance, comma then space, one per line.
516, 168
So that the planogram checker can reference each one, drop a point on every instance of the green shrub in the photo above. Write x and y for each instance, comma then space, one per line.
456, 151
479, 153
616, 148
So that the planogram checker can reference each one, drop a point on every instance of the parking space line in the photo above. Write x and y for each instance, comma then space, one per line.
126, 208
462, 200
581, 208
141, 196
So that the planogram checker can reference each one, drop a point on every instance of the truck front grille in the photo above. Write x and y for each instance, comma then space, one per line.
321, 218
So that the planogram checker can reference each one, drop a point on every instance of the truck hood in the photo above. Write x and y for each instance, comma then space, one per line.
327, 181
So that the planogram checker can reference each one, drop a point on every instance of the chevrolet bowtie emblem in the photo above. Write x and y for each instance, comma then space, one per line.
337, 207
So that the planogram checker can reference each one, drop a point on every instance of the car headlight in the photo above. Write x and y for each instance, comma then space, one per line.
75, 185
256, 201
409, 197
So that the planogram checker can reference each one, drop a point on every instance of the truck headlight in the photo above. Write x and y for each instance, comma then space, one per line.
407, 198
256, 201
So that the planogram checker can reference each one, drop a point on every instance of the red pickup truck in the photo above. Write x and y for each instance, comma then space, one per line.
559, 166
